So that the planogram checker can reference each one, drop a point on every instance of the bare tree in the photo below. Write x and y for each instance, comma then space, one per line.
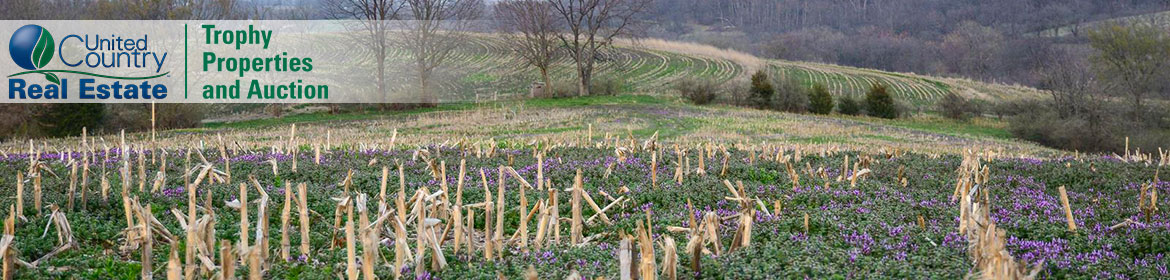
437, 28
592, 25
213, 9
973, 49
21, 9
372, 17
530, 28
1133, 60
1071, 83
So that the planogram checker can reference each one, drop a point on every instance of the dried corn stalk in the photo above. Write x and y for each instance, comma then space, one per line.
986, 242
6, 251
576, 226
669, 257
646, 251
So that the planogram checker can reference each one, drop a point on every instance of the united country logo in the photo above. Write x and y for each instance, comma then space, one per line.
31, 47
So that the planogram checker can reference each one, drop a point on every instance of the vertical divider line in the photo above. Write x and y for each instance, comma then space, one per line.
186, 58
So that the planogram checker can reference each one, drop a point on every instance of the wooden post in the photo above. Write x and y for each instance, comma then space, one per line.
654, 169
141, 170
625, 259
189, 264
806, 223
317, 153
8, 252
457, 218
499, 232
575, 227
646, 251
303, 206
351, 271
523, 227
695, 245
37, 191
489, 206
147, 248
285, 212
84, 181
227, 260
174, 269
255, 263
367, 235
670, 255
243, 216
20, 194
420, 212
539, 171
128, 212
72, 184
261, 245
844, 169
555, 211
702, 164
400, 246
1072, 224
382, 187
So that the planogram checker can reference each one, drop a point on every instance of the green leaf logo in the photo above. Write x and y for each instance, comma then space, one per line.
52, 78
43, 52
31, 47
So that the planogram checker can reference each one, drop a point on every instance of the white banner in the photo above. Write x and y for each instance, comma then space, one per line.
228, 62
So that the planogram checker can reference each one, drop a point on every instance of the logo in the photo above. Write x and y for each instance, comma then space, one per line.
102, 60
31, 47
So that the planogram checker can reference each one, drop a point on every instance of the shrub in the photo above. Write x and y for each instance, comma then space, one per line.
67, 119
563, 88
879, 102
1009, 109
17, 120
698, 91
736, 94
789, 96
849, 106
1082, 133
956, 107
136, 117
175, 116
761, 91
819, 100
1096, 128
606, 85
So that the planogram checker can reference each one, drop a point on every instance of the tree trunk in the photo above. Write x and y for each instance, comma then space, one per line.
583, 83
547, 82
1137, 107
427, 97
381, 56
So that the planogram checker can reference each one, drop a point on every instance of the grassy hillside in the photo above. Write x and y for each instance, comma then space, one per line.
572, 119
1160, 19
485, 67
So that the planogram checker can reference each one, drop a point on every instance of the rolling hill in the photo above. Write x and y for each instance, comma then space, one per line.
485, 66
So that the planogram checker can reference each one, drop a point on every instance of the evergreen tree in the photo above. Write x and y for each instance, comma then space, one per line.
879, 102
762, 90
819, 100
848, 106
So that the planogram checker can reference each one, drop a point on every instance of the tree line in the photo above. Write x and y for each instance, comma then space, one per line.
991, 40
